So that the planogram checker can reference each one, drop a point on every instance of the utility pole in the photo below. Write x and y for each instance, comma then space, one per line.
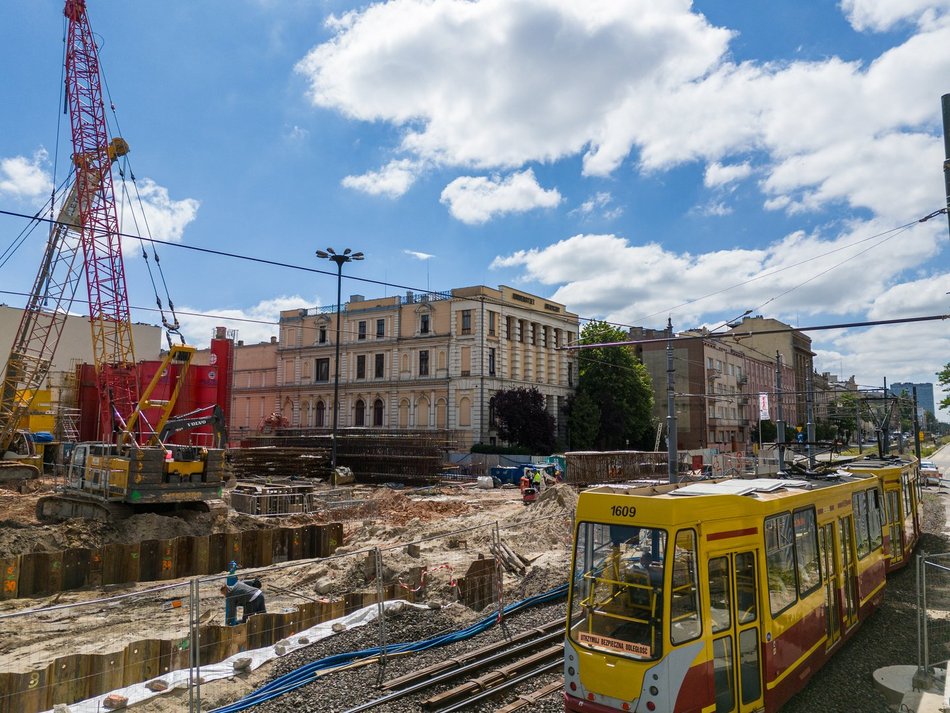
945, 103
916, 426
857, 425
810, 415
780, 420
886, 424
671, 451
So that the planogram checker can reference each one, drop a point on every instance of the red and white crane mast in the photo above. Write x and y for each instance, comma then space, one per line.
109, 314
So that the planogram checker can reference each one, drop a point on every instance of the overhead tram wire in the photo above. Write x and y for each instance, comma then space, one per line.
275, 263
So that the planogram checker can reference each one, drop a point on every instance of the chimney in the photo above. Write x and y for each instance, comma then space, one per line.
273, 340
240, 342
220, 333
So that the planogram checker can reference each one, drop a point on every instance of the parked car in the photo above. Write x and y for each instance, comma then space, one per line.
929, 472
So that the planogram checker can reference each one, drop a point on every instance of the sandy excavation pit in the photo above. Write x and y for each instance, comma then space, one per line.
453, 525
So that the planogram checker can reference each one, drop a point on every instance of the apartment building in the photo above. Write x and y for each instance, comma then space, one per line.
424, 361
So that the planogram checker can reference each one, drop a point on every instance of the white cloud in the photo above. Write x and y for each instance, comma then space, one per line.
800, 274
599, 205
25, 178
497, 85
715, 208
718, 174
262, 319
392, 181
476, 199
160, 217
883, 15
419, 256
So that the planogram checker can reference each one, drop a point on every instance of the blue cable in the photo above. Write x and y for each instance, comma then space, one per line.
305, 674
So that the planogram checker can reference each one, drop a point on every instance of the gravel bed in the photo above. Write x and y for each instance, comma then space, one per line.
845, 684
346, 689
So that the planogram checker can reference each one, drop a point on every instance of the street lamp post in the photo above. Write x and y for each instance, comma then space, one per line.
333, 256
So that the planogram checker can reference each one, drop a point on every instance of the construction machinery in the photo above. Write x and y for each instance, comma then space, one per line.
130, 466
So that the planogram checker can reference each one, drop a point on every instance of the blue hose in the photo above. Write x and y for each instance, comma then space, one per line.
305, 674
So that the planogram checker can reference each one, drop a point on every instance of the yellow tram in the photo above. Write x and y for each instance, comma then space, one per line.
901, 482
718, 596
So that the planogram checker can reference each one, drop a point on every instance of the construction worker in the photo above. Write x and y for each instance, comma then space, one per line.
242, 594
538, 480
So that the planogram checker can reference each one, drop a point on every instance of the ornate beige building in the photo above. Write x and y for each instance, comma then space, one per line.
425, 361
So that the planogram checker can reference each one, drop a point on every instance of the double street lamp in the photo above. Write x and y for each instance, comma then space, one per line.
333, 256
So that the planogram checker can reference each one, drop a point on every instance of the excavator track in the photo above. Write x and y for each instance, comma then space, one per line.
53, 508
13, 472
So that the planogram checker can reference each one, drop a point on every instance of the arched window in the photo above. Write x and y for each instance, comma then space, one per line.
465, 411
305, 414
404, 413
378, 412
440, 414
359, 417
422, 412
288, 412
321, 415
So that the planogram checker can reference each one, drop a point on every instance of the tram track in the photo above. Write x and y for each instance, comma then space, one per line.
479, 674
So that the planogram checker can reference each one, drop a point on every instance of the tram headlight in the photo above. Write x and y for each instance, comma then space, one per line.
654, 691
570, 670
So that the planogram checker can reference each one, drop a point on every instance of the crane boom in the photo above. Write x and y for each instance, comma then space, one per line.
109, 314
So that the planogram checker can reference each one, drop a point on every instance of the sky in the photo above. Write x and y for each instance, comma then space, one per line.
636, 160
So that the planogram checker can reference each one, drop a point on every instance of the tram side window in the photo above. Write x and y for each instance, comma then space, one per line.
806, 551
875, 518
684, 602
905, 489
859, 503
780, 561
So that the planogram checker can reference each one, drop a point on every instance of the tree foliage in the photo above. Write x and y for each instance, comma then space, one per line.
614, 392
523, 420
943, 378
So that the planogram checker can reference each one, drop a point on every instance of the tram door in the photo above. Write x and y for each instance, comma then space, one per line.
734, 609
849, 572
895, 527
830, 569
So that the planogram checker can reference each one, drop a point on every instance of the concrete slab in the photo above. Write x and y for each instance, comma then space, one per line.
901, 687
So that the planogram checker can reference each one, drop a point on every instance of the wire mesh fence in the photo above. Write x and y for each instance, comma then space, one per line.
933, 617
142, 641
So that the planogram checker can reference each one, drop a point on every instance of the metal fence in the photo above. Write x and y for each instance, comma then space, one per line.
144, 640
933, 619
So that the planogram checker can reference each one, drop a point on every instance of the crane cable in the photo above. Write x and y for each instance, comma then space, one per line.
172, 327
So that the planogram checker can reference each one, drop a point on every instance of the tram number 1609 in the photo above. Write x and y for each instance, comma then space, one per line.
623, 511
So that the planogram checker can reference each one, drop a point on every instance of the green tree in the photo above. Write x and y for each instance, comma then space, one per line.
943, 378
523, 420
583, 418
769, 432
614, 380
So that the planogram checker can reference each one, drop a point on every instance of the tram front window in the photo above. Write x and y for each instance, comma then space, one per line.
617, 600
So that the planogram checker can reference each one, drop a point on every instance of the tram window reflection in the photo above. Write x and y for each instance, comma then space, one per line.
780, 561
806, 551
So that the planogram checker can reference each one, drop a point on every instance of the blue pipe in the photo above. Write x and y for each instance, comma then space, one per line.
302, 676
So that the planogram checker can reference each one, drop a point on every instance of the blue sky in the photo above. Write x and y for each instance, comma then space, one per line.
630, 158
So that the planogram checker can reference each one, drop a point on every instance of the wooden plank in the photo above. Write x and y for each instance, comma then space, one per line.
142, 661
217, 553
150, 561
106, 672
27, 692
280, 542
47, 572
233, 544
265, 547
94, 568
201, 555
70, 679
168, 559
11, 581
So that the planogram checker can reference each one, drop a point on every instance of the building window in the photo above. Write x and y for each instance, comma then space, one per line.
359, 416
466, 359
380, 328
570, 373
322, 370
465, 411
466, 321
491, 411
491, 361
424, 363
492, 318
322, 339
424, 324
379, 366
361, 329
321, 414
378, 412
361, 366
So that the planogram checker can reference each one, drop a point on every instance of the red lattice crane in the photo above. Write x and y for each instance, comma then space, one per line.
109, 314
